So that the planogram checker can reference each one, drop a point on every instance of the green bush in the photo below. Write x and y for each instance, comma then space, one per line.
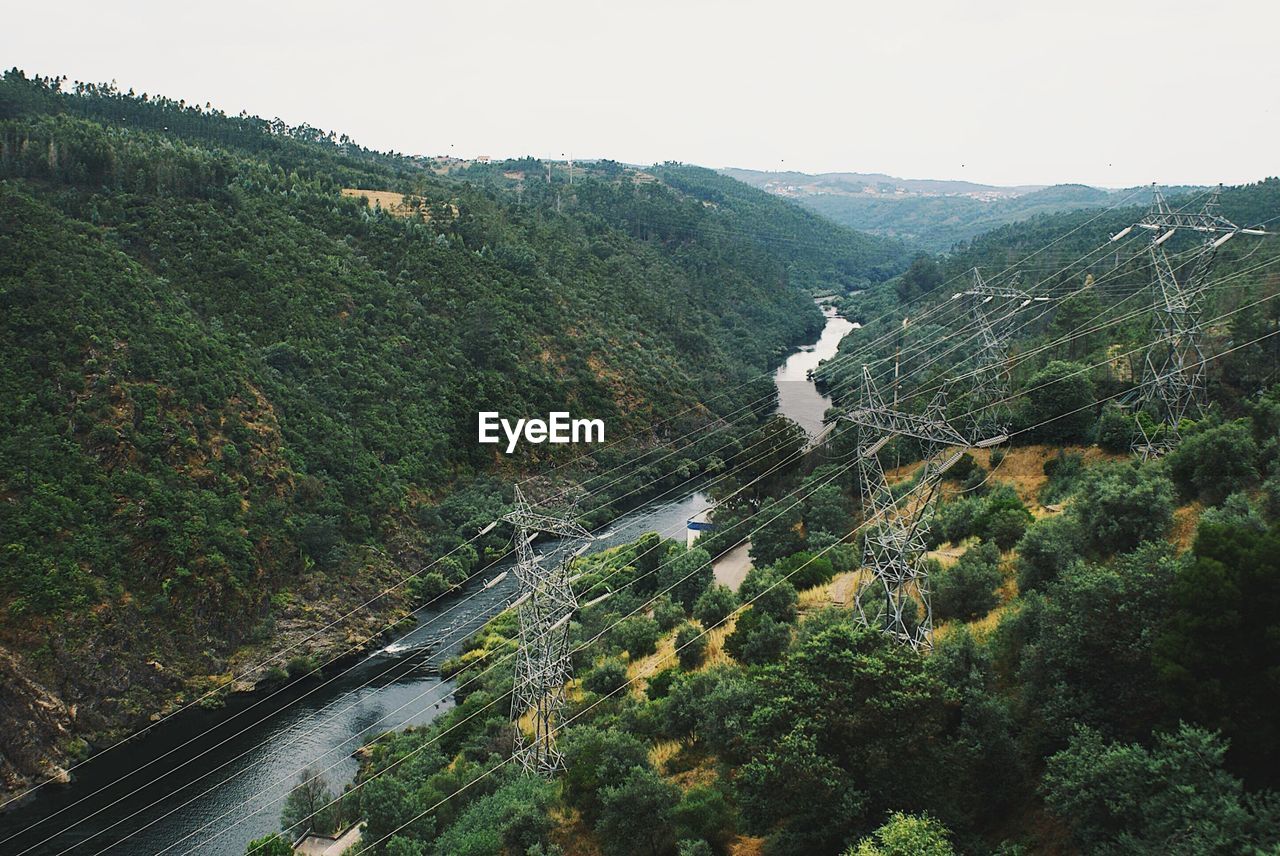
905, 835
1049, 546
667, 613
1120, 506
1059, 403
770, 593
596, 757
427, 587
659, 686
805, 570
715, 605
1117, 430
758, 638
1170, 797
638, 636
686, 575
607, 678
636, 814
1215, 461
1002, 517
1063, 472
704, 815
967, 589
691, 646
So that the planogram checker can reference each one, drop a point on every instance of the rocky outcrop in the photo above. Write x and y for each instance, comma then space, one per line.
32, 720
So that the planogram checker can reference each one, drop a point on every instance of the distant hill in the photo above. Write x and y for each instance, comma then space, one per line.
820, 256
929, 214
801, 184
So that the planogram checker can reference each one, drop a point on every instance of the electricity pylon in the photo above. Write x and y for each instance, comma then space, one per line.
991, 309
895, 593
1174, 365
543, 665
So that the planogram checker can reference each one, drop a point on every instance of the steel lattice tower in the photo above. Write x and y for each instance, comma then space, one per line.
897, 589
546, 604
1173, 368
991, 309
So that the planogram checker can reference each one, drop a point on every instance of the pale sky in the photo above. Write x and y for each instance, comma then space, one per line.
1103, 93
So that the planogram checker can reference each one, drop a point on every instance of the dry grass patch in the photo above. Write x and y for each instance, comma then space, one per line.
1185, 521
640, 670
662, 752
716, 654
387, 200
572, 835
746, 845
1023, 466
397, 204
843, 588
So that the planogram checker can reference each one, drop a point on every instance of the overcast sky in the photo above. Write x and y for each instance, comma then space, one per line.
1004, 92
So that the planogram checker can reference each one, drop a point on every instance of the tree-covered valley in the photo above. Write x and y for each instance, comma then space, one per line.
240, 396
1102, 675
242, 365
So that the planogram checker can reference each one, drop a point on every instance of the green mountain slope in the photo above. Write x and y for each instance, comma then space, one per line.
1101, 290
239, 400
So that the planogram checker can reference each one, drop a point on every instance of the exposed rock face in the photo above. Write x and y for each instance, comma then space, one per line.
32, 719
78, 684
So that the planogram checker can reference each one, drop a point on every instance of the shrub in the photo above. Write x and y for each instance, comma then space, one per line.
805, 570
768, 592
905, 835
637, 636
704, 815
1116, 429
1003, 518
428, 586
686, 575
967, 589
270, 845
1120, 507
954, 520
659, 686
758, 638
1058, 403
693, 847
1271, 492
691, 646
1215, 461
635, 814
667, 613
1172, 796
1045, 551
1006, 526
593, 758
1063, 472
715, 605
607, 678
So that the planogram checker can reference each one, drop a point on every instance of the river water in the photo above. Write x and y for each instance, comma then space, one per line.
170, 793
798, 398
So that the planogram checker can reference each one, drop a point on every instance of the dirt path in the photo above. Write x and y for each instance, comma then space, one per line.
731, 568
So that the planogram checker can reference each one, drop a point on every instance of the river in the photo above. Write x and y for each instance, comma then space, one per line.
798, 398
226, 786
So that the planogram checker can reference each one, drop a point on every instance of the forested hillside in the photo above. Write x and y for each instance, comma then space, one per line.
241, 396
1102, 675
1100, 296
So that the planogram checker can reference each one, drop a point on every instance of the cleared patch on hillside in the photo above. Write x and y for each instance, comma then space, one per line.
1186, 519
397, 204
